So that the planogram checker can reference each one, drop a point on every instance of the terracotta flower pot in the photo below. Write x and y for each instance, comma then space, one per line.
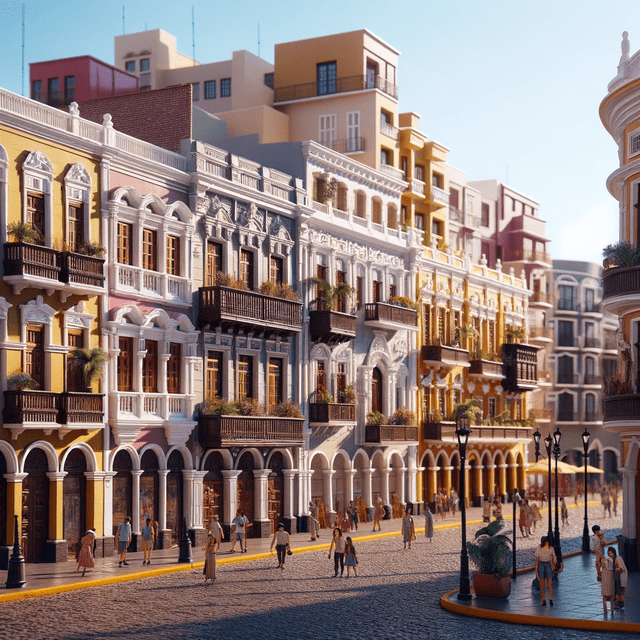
489, 586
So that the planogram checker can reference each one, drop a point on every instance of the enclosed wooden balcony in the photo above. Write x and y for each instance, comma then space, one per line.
390, 316
227, 431
31, 265
331, 327
620, 289
520, 367
486, 369
237, 308
389, 433
447, 431
439, 354
622, 408
80, 408
82, 272
22, 406
327, 412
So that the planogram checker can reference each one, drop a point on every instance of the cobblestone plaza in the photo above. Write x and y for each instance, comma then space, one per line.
396, 595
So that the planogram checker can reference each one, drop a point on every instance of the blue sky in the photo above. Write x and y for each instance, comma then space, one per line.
511, 87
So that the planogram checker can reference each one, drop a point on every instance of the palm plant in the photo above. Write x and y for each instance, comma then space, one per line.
328, 294
620, 254
491, 550
23, 232
89, 361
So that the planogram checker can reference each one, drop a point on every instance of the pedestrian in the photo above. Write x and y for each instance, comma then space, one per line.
545, 564
614, 502
564, 512
455, 500
351, 559
216, 529
486, 510
378, 514
621, 575
408, 529
597, 543
428, 523
354, 516
282, 541
339, 544
241, 522
535, 516
147, 541
523, 522
606, 576
529, 513
123, 539
210, 550
606, 502
85, 557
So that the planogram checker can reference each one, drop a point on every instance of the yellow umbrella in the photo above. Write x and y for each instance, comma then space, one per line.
591, 469
542, 466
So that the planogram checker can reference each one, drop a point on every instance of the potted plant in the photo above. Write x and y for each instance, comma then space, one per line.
89, 361
288, 409
23, 232
620, 254
403, 301
282, 290
324, 396
404, 417
376, 419
514, 334
490, 553
92, 249
21, 381
226, 280
328, 294
348, 396
470, 408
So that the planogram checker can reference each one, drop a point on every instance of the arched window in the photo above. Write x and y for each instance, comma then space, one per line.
590, 407
376, 213
565, 370
376, 390
392, 216
342, 197
361, 204
565, 407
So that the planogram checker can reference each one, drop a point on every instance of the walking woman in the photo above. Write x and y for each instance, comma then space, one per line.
351, 559
408, 529
281, 540
339, 544
210, 549
545, 564
378, 514
621, 575
606, 575
85, 557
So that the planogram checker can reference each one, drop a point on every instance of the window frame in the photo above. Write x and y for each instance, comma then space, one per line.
326, 78
209, 89
225, 87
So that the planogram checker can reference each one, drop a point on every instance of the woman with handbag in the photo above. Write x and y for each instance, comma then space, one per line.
281, 540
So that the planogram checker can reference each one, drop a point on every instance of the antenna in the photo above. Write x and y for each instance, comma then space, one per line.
193, 33
258, 39
123, 32
23, 49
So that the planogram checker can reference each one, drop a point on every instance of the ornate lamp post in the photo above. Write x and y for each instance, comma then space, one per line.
548, 441
462, 432
585, 531
536, 439
557, 435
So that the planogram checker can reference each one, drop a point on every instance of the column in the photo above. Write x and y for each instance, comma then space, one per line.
108, 503
95, 501
56, 511
135, 501
14, 503
196, 499
348, 478
384, 486
491, 477
230, 495
367, 475
400, 476
327, 475
162, 498
289, 494
416, 482
502, 479
188, 497
432, 483
261, 526
513, 480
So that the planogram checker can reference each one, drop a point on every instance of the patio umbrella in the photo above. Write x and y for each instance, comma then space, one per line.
542, 466
591, 469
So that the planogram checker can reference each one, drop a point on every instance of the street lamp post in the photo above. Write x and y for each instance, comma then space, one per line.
557, 435
548, 441
585, 531
462, 432
536, 439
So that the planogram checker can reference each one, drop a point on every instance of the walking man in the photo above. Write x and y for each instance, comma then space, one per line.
147, 541
123, 539
240, 521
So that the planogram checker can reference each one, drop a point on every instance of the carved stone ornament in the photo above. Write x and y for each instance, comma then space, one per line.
78, 173
37, 160
37, 311
250, 217
220, 209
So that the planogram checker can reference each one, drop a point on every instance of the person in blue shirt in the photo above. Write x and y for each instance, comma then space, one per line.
123, 538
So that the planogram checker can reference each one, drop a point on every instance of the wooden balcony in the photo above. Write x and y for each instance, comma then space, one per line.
447, 431
622, 408
389, 433
31, 265
234, 307
486, 368
390, 316
21, 406
520, 367
227, 431
332, 327
80, 408
326, 412
80, 271
448, 356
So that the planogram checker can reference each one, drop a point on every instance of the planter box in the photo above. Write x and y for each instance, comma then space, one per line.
488, 586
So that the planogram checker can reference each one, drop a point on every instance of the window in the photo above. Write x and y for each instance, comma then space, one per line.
195, 91
566, 298
321, 377
275, 383
327, 129
385, 157
150, 367
492, 408
36, 90
75, 375
76, 226
419, 217
35, 214
268, 79
130, 66
361, 204
53, 86
341, 301
404, 214
125, 364
377, 290
565, 370
372, 74
144, 64
214, 262
69, 88
454, 198
173, 256
376, 210
437, 180
210, 90
565, 407
565, 333
225, 88
590, 371
245, 377
418, 172
484, 217
590, 305
145, 82
124, 243
393, 289
34, 355
214, 375
326, 75
353, 131
246, 268
173, 368
376, 390
276, 269
149, 238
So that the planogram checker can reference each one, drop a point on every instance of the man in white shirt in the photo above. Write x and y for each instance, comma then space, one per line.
240, 521
123, 538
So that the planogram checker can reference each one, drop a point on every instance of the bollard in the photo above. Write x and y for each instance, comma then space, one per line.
16, 574
185, 545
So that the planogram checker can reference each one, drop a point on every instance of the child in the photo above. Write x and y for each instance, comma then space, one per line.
351, 557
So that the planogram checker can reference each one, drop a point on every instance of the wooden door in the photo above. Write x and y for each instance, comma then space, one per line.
149, 487
122, 488
74, 500
35, 506
275, 490
376, 390
174, 494
212, 490
245, 489
3, 501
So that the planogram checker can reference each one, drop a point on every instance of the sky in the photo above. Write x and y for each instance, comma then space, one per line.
512, 88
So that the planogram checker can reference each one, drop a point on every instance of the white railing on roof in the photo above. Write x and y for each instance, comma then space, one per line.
149, 151
343, 215
392, 171
319, 206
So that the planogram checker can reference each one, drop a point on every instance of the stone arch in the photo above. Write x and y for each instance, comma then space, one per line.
157, 449
133, 453
89, 455
186, 455
360, 204
226, 457
376, 210
341, 465
392, 216
258, 460
286, 455
152, 202
181, 210
10, 457
520, 470
47, 447
127, 195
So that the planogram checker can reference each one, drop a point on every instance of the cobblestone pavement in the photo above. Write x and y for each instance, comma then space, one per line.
396, 595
